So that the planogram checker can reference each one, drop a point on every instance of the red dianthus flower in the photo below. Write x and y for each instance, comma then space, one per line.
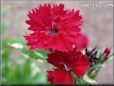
54, 28
66, 63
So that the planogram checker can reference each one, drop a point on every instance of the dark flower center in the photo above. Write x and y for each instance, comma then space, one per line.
54, 29
66, 68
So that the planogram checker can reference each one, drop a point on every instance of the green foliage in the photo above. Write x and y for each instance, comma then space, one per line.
19, 72
79, 81
23, 69
110, 57
36, 54
95, 68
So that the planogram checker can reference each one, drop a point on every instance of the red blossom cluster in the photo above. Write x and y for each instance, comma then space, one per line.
58, 30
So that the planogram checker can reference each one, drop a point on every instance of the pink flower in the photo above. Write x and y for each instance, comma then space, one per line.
55, 28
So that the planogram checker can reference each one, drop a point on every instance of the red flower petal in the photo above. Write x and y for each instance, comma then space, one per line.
81, 42
80, 70
40, 18
60, 77
37, 40
61, 41
58, 10
80, 65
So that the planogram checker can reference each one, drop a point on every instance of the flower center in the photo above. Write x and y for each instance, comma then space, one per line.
66, 68
54, 28
54, 31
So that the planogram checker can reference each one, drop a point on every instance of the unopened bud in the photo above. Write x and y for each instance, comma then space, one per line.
106, 53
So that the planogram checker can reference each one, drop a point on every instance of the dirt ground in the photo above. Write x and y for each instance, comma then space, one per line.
98, 24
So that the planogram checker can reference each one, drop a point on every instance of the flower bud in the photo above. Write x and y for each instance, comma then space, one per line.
106, 53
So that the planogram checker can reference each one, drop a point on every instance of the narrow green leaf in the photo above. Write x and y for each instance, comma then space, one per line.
89, 80
110, 57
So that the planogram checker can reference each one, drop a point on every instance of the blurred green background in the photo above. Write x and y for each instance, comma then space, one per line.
22, 68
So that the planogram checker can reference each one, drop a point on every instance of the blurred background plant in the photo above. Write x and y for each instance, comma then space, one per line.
22, 70
98, 60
